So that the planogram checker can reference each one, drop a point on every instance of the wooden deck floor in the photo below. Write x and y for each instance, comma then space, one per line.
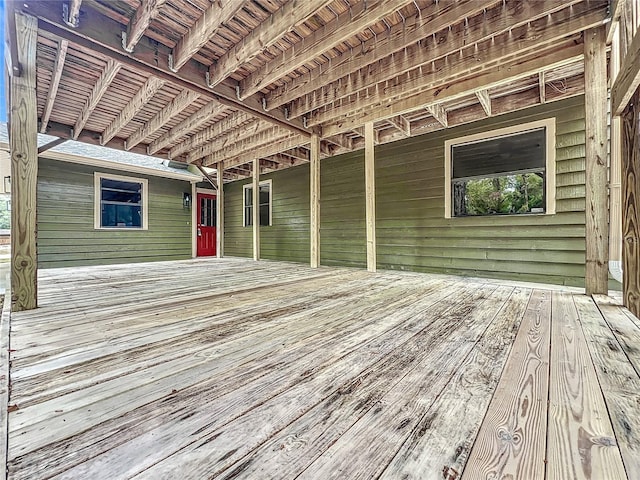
233, 369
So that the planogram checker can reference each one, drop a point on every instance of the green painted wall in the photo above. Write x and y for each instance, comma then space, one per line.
412, 233
66, 234
288, 236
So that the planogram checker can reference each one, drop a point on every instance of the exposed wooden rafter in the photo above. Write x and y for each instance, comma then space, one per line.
179, 103
200, 33
283, 20
542, 87
246, 152
149, 58
55, 84
111, 70
72, 12
334, 33
439, 113
424, 53
148, 90
188, 125
530, 39
227, 124
400, 36
485, 100
506, 72
146, 12
401, 124
230, 139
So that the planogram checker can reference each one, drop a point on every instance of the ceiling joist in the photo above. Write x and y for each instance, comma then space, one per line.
146, 12
485, 100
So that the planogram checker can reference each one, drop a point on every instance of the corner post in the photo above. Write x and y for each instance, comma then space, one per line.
597, 232
220, 212
370, 194
23, 143
256, 209
314, 195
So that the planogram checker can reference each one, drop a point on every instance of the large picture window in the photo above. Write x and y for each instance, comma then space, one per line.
264, 204
121, 202
503, 172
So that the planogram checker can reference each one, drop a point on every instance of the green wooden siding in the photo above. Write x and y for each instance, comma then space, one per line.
66, 234
412, 233
287, 238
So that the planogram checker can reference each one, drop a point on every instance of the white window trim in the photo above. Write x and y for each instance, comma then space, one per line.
550, 168
97, 214
250, 185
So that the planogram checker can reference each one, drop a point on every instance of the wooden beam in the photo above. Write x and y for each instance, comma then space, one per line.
469, 46
439, 113
485, 100
220, 214
542, 87
245, 144
631, 204
438, 18
175, 106
201, 32
314, 195
256, 209
335, 32
283, 20
273, 147
99, 89
23, 143
96, 34
370, 195
72, 13
227, 124
597, 232
187, 126
51, 144
208, 177
628, 78
55, 84
230, 139
147, 11
137, 103
401, 124
504, 73
615, 9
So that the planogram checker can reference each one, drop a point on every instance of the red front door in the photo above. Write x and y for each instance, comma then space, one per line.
206, 225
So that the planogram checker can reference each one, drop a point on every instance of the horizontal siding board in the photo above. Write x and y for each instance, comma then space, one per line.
66, 233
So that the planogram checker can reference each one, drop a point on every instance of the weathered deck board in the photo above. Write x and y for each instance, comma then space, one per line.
235, 369
511, 441
440, 443
581, 443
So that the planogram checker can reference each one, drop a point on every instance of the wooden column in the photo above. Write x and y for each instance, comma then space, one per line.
256, 209
597, 231
220, 212
314, 195
24, 168
370, 194
631, 204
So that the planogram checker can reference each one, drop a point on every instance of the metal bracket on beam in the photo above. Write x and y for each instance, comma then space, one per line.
124, 44
65, 16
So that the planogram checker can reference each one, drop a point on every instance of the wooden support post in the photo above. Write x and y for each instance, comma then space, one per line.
314, 195
220, 207
370, 194
631, 204
597, 231
256, 209
24, 168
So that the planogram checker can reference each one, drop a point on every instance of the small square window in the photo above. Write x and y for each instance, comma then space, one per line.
121, 202
264, 204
